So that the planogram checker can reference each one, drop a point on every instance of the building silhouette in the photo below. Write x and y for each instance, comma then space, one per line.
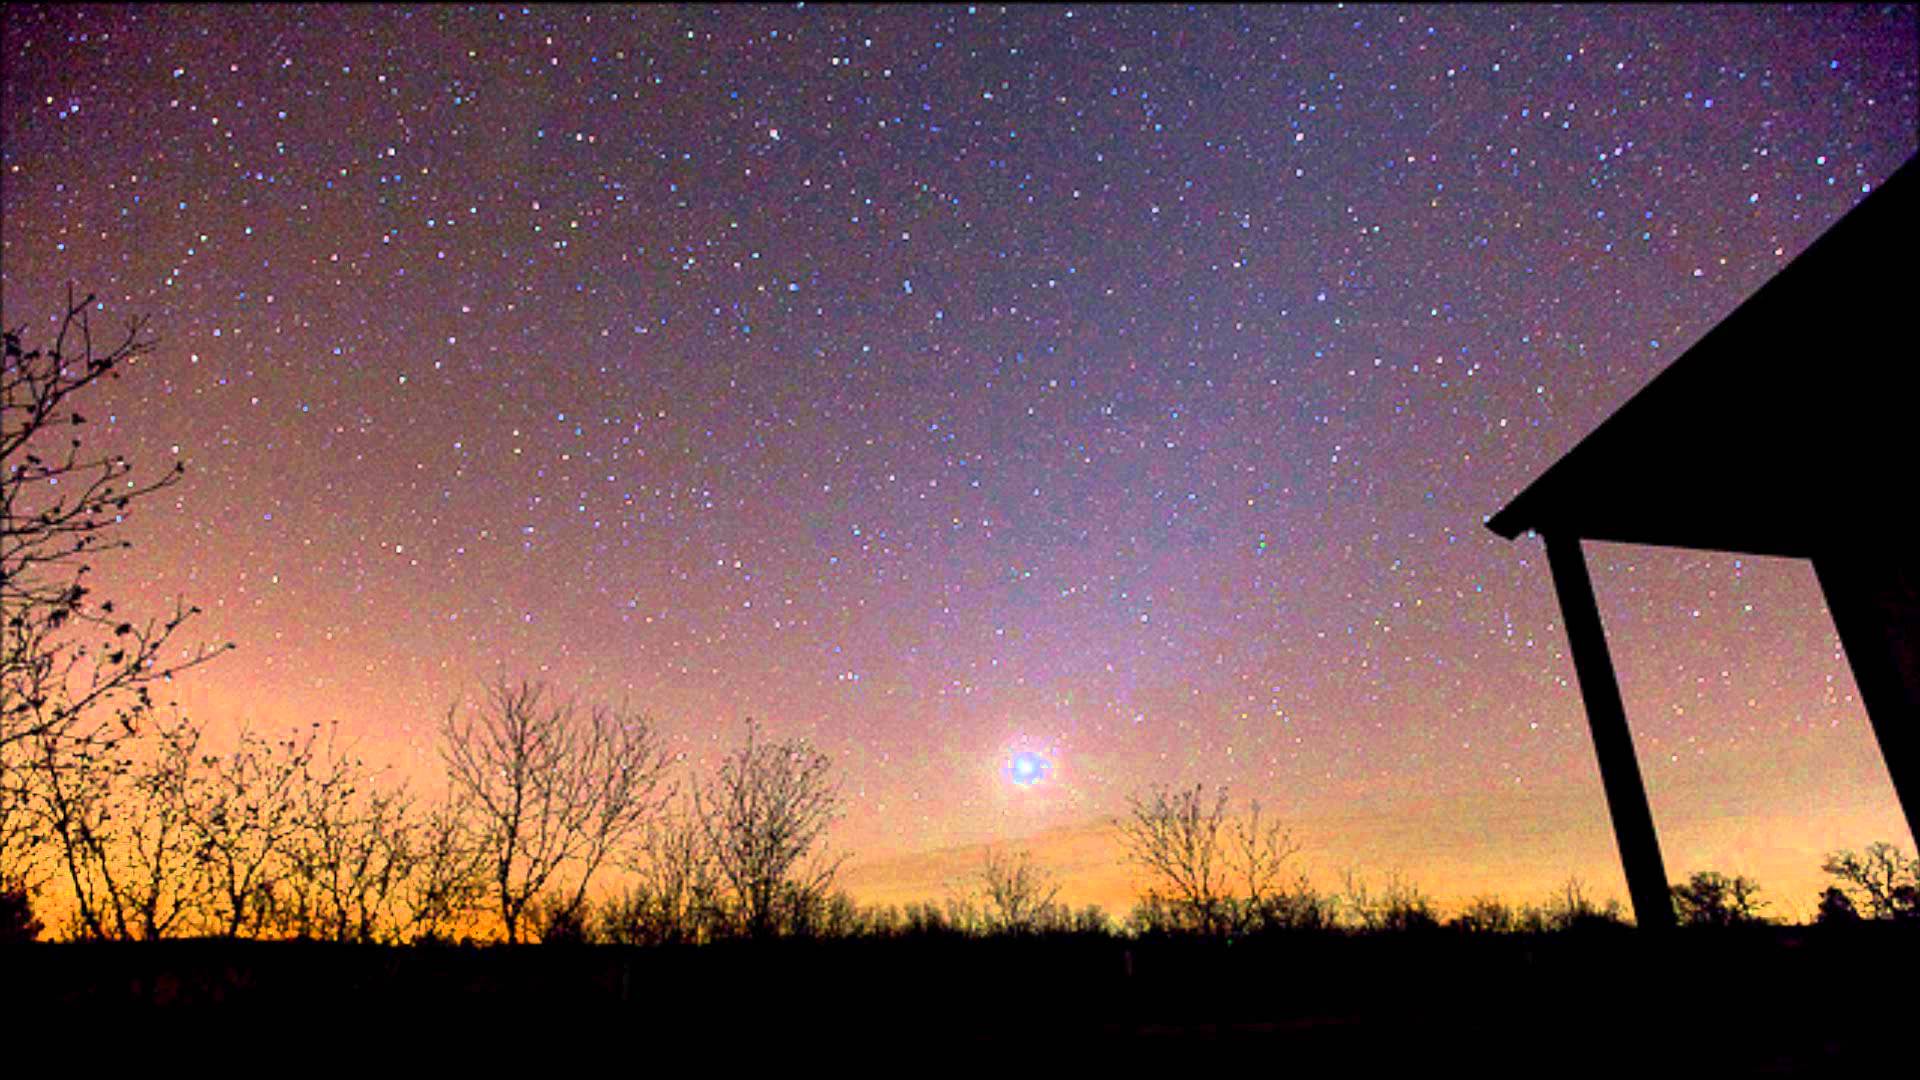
1791, 429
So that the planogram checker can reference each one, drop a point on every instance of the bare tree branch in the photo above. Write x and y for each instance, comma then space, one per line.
242, 826
75, 673
765, 820
1212, 873
65, 653
1019, 894
549, 788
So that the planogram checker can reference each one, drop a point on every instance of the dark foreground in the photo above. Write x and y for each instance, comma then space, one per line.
1606, 1002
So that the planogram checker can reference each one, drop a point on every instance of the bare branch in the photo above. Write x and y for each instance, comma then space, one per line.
1211, 873
1019, 894
549, 789
765, 820
68, 656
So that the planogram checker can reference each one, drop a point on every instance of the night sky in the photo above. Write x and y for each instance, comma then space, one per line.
1122, 387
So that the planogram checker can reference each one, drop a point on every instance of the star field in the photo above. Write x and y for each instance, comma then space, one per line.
1125, 386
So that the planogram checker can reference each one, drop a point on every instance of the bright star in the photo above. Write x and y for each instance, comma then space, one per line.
1028, 768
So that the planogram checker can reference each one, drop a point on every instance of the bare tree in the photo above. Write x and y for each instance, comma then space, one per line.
622, 766
67, 658
121, 827
446, 877
1261, 849
25, 842
1881, 882
66, 653
77, 800
157, 838
158, 843
355, 848
675, 897
1213, 872
366, 854
765, 820
1175, 836
1019, 894
242, 825
551, 789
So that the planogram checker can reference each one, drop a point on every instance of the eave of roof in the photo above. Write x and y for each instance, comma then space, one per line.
1787, 408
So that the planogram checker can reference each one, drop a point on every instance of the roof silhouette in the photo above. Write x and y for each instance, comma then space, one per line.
1789, 429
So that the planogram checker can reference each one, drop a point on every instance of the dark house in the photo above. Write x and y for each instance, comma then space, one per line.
1791, 429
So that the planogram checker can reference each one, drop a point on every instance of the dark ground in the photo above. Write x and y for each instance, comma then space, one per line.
1605, 1002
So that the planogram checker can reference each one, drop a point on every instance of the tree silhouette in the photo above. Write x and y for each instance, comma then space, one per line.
119, 833
550, 788
446, 875
347, 862
1836, 908
160, 838
72, 802
1710, 898
1882, 882
67, 656
1019, 894
244, 825
1211, 873
675, 895
765, 819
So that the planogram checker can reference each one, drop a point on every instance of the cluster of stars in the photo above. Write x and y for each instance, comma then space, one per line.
1139, 376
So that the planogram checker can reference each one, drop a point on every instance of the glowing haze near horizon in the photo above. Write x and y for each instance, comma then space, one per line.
1122, 386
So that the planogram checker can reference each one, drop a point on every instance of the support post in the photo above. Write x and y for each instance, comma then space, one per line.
1612, 741
1875, 601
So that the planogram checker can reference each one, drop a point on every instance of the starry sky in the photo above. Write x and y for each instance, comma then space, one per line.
1124, 387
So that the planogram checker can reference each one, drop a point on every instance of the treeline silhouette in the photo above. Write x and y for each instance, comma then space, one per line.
147, 835
154, 835
1500, 988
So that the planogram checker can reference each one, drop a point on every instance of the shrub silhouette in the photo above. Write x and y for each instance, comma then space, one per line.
560, 921
1710, 898
1487, 915
17, 920
1399, 907
1572, 910
1836, 908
